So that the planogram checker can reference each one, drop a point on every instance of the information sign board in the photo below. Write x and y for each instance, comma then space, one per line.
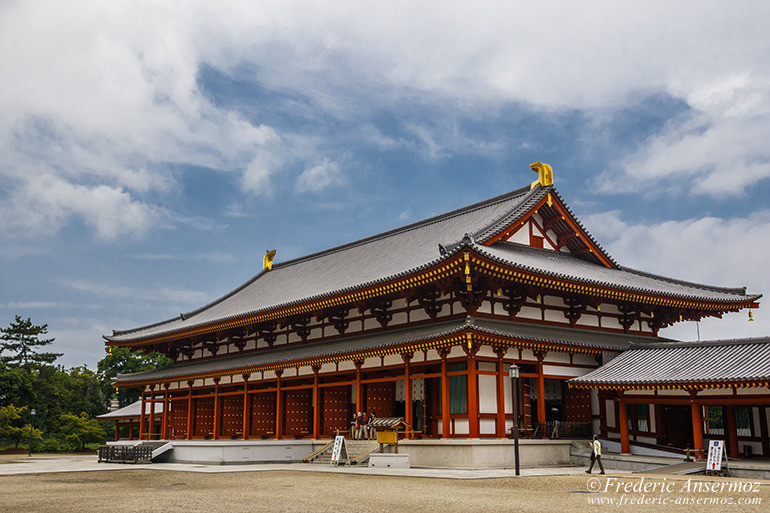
714, 460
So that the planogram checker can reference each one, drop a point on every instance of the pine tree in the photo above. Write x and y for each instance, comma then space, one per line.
22, 340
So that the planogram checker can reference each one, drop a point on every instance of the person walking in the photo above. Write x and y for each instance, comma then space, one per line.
596, 454
372, 430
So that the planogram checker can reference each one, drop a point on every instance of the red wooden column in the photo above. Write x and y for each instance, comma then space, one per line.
164, 422
408, 405
317, 413
151, 426
246, 413
359, 387
141, 417
130, 431
500, 429
278, 405
731, 431
473, 387
445, 418
697, 423
217, 409
189, 411
625, 445
541, 393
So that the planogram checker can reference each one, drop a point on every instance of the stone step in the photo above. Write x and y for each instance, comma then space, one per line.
353, 447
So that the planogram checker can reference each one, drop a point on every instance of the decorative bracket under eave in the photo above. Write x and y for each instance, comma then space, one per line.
545, 174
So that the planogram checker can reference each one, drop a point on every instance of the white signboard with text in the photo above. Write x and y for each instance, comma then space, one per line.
714, 460
339, 443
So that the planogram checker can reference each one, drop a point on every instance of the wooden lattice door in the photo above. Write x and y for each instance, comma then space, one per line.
336, 407
263, 414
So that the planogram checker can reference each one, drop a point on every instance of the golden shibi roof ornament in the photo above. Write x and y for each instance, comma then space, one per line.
267, 261
544, 172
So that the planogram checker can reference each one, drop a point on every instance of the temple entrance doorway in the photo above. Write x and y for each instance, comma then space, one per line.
675, 425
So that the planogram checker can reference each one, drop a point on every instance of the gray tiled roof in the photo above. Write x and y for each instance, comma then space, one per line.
407, 250
566, 265
351, 266
132, 410
719, 361
298, 352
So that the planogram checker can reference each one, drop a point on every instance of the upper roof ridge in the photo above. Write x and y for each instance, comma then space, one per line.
700, 343
383, 235
406, 228
728, 290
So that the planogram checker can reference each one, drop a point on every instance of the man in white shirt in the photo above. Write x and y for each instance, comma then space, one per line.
596, 454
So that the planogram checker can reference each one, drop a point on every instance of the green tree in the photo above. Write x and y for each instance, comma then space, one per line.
22, 340
79, 430
120, 360
11, 428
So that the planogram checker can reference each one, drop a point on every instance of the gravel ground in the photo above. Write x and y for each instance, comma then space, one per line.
167, 491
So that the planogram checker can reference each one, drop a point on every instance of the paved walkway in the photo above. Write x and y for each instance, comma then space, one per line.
43, 464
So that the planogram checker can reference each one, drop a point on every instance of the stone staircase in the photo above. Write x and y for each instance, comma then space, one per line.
358, 452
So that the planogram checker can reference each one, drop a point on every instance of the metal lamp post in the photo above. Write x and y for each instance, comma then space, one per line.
31, 428
513, 373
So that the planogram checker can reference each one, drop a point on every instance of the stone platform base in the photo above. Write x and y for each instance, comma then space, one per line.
453, 453
389, 460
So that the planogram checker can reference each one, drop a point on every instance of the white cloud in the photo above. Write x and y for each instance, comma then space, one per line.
720, 150
106, 94
323, 175
712, 251
45, 203
163, 295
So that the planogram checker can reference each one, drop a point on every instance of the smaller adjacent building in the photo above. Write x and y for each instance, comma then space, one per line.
678, 393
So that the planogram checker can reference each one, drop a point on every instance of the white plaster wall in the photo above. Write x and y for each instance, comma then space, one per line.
588, 320
399, 318
487, 366
269, 375
562, 371
751, 391
345, 365
521, 236
418, 314
755, 417
651, 420
461, 426
487, 394
432, 355
609, 406
371, 362
486, 307
527, 354
611, 322
456, 351
556, 357
553, 316
529, 312
507, 397
487, 426
673, 393
394, 359
306, 370
552, 301
584, 359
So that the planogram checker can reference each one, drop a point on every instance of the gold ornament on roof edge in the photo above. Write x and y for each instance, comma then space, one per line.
267, 261
545, 174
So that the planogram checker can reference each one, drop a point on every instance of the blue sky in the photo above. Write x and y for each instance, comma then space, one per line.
150, 154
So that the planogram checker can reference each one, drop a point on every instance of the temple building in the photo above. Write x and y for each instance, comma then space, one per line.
424, 321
